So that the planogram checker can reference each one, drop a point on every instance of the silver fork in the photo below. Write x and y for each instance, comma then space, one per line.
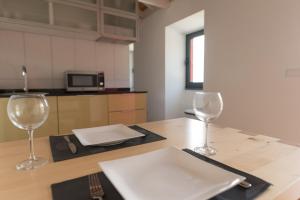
96, 190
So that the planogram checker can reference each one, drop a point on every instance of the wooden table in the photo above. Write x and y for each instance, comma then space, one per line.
259, 155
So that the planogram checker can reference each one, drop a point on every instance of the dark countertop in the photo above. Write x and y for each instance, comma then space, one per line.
189, 112
62, 92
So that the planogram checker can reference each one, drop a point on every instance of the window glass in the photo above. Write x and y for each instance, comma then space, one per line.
195, 60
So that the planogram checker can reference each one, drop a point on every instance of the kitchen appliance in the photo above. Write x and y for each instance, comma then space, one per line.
84, 81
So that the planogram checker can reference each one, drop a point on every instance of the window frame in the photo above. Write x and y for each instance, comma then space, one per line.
188, 84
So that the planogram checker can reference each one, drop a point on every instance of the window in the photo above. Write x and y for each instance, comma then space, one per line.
195, 60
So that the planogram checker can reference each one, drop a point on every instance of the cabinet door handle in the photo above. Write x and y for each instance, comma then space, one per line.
86, 95
120, 111
127, 110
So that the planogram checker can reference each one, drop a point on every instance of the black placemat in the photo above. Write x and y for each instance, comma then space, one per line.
238, 193
77, 189
60, 150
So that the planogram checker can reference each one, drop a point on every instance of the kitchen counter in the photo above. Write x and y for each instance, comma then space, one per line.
63, 92
77, 110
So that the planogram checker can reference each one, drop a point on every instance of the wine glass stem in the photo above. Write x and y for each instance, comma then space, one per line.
205, 135
31, 149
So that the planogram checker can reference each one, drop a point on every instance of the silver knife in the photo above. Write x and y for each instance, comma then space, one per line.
71, 145
245, 184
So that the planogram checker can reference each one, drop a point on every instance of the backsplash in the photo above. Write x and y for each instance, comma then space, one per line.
47, 57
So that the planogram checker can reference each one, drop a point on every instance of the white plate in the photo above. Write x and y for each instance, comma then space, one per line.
106, 135
168, 174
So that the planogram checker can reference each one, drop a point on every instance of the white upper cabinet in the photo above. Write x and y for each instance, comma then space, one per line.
119, 20
75, 16
125, 6
84, 2
86, 19
29, 10
117, 26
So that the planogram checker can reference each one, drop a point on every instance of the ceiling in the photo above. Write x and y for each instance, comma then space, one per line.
190, 24
148, 7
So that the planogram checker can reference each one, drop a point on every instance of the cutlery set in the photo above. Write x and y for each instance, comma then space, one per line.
245, 184
96, 190
71, 145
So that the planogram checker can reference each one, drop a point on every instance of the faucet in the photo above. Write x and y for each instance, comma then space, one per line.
24, 74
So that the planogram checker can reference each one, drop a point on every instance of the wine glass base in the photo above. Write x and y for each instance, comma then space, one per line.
31, 163
206, 151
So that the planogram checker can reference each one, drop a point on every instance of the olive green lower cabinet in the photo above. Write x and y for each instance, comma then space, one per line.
9, 132
127, 108
82, 112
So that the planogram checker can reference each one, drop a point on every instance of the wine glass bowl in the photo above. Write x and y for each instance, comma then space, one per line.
207, 107
28, 111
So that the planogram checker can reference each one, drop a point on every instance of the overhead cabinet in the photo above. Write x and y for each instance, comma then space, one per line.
116, 26
86, 19
73, 15
90, 3
29, 10
119, 19
121, 6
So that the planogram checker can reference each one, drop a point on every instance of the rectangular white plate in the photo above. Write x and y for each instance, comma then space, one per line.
168, 174
105, 135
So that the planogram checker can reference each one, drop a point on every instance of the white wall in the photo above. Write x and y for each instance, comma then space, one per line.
249, 47
177, 98
47, 57
150, 53
175, 73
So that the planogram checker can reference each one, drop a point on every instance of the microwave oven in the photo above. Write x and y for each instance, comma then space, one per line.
84, 81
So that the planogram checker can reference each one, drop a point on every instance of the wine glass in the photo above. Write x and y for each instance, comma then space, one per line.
28, 111
207, 106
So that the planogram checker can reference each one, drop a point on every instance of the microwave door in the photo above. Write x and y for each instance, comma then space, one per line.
82, 82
